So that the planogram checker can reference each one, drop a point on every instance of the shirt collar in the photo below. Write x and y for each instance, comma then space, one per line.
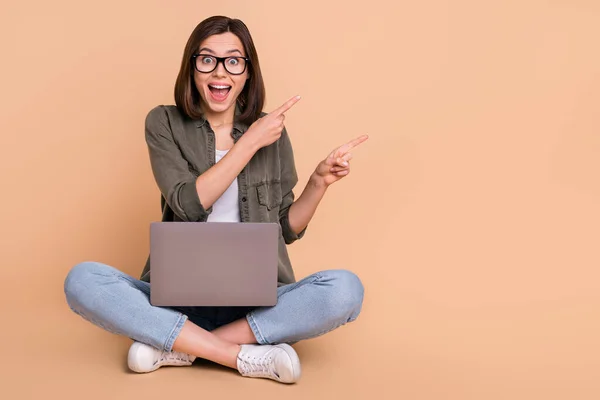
237, 124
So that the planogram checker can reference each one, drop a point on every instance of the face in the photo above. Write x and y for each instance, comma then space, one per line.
219, 89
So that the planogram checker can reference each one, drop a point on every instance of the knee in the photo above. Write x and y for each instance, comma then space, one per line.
347, 293
79, 280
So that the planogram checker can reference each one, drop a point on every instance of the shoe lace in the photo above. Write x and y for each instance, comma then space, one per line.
173, 356
259, 366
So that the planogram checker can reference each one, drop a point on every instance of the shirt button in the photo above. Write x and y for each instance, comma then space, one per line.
244, 199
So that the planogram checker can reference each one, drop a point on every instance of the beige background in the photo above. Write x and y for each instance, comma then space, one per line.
472, 213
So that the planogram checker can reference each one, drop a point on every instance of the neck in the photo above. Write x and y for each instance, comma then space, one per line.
220, 119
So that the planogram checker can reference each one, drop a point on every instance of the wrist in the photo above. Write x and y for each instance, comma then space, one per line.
317, 181
247, 145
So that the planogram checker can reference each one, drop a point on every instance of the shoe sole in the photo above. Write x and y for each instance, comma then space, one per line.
296, 368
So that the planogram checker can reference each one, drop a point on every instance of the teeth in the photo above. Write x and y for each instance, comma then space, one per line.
220, 86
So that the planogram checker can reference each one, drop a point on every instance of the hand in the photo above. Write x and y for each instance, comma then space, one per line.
337, 164
266, 130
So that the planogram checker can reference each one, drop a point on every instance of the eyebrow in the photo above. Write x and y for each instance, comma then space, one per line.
212, 52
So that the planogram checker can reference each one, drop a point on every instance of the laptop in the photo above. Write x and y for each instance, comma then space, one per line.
213, 264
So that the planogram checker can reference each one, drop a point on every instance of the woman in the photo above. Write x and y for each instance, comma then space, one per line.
217, 157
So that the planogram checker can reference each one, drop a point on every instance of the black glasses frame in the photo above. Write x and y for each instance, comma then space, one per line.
220, 60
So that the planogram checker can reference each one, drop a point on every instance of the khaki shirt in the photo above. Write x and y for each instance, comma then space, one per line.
181, 149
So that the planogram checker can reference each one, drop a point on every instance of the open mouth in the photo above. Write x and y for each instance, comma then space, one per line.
219, 92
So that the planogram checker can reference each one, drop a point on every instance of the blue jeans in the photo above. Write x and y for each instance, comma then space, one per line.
120, 304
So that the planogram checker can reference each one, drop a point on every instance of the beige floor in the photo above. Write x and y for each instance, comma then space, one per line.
393, 351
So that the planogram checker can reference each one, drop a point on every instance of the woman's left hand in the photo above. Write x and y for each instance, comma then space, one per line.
337, 164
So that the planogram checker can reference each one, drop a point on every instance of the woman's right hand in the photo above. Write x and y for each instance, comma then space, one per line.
266, 130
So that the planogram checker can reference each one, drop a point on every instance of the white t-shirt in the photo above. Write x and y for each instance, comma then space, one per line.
226, 208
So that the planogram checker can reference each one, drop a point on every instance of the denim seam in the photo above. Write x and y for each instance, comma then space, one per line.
94, 321
323, 332
168, 345
254, 327
330, 329
260, 338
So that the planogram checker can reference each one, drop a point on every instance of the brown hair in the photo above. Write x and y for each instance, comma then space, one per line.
252, 98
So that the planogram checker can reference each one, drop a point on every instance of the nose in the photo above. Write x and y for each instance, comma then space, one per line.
220, 70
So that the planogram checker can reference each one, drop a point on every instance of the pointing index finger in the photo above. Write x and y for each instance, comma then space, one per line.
353, 143
286, 106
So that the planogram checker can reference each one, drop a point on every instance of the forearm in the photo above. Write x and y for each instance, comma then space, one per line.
303, 209
215, 181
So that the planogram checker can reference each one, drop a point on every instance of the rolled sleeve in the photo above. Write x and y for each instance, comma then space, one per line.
171, 171
289, 179
289, 235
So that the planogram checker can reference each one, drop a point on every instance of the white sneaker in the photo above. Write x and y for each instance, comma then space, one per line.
278, 362
144, 358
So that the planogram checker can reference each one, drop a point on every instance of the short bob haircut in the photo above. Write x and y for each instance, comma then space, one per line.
252, 98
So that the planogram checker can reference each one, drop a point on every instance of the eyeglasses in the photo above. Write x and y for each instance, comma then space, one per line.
206, 63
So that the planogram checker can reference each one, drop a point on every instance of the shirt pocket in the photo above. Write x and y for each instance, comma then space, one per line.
269, 194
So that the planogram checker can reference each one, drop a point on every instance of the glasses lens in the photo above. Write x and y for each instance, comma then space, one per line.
235, 65
205, 63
